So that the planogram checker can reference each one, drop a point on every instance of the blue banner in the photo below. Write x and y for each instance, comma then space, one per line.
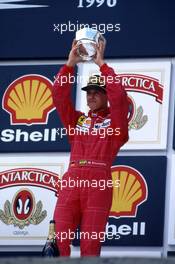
29, 121
45, 29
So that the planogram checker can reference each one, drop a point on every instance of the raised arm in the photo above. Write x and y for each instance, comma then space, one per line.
118, 102
62, 91
116, 94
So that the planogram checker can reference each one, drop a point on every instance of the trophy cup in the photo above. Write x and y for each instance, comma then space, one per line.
88, 39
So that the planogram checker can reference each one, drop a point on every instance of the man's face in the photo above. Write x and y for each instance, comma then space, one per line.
96, 99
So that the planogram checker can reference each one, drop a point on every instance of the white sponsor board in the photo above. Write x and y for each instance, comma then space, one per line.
147, 84
28, 191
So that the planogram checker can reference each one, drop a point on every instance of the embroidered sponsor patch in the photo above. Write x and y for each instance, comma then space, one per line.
84, 123
106, 123
81, 120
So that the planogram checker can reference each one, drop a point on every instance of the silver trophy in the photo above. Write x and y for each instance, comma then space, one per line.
88, 39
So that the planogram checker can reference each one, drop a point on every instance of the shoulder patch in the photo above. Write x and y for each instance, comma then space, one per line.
81, 120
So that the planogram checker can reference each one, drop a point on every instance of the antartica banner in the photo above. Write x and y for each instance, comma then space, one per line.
29, 189
143, 84
30, 176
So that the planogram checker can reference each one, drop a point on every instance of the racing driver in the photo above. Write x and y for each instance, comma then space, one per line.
92, 154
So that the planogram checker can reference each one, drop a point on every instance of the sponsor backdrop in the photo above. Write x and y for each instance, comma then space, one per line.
28, 190
29, 121
137, 212
29, 185
147, 85
45, 29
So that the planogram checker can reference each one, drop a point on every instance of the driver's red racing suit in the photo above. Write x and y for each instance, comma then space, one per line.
88, 205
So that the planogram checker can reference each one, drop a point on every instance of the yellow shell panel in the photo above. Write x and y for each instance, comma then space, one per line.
127, 193
30, 99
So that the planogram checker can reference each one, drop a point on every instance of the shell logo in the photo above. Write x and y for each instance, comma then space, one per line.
131, 191
28, 100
